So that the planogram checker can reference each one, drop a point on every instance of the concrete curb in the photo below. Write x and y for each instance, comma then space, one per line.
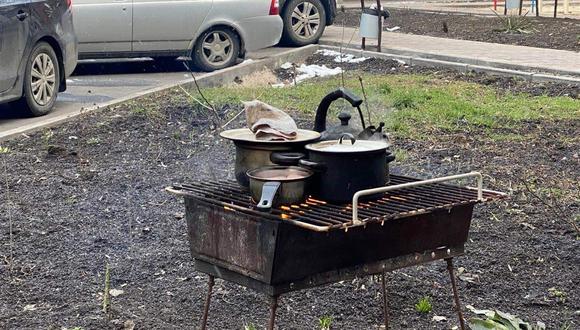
211, 79
463, 67
423, 57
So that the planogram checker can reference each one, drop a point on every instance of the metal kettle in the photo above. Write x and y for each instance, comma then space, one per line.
334, 133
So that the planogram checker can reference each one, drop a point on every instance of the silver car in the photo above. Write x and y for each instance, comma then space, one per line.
215, 33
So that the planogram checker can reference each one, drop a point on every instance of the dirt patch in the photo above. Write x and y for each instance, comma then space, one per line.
90, 192
545, 32
503, 84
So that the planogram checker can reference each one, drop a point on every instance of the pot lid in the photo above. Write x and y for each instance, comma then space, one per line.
347, 146
246, 135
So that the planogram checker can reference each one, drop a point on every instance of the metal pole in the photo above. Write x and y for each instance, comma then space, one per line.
273, 306
380, 26
362, 7
455, 294
537, 8
521, 5
385, 301
207, 301
555, 8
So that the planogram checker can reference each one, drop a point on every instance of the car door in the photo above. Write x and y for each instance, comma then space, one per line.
14, 29
160, 25
103, 26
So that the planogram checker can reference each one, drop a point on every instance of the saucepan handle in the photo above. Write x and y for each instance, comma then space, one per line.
269, 192
314, 166
286, 158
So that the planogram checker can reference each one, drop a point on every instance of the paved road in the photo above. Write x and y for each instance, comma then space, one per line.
99, 82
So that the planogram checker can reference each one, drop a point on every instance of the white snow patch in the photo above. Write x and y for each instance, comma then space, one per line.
393, 29
341, 58
310, 71
286, 66
399, 61
315, 70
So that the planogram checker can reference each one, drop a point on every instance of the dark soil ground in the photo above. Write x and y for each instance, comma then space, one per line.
546, 32
90, 192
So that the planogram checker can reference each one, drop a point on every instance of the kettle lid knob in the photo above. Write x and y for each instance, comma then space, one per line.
344, 118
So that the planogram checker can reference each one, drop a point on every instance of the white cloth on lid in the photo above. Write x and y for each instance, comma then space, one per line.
269, 123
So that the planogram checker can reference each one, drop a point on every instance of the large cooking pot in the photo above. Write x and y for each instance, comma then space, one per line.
347, 165
252, 153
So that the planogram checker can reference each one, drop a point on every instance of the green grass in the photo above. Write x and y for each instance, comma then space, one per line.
424, 305
412, 105
325, 322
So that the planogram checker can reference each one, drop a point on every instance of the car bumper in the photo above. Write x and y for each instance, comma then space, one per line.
69, 44
261, 32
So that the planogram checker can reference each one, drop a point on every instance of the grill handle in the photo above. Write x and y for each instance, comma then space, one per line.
358, 194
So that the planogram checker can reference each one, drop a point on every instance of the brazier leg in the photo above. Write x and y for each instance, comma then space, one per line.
385, 300
455, 294
273, 307
207, 301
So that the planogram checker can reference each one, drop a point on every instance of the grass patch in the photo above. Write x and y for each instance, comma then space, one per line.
424, 305
411, 105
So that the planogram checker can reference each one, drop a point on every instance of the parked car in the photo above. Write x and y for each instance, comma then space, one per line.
214, 33
305, 20
38, 51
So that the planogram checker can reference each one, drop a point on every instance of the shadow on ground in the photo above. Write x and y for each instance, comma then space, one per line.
128, 66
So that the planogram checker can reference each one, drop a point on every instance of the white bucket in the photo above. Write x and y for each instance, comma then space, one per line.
369, 24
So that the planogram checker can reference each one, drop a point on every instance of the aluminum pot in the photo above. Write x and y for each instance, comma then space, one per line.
346, 166
271, 186
252, 153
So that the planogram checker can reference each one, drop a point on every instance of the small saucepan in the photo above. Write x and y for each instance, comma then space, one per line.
271, 186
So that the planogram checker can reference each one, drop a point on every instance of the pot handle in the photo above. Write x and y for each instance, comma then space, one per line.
316, 167
286, 158
348, 135
269, 192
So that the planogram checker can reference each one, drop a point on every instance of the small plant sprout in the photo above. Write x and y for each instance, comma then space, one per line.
424, 305
93, 141
325, 322
250, 326
558, 294
4, 150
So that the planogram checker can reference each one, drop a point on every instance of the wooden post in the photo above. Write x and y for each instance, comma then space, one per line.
521, 5
555, 8
362, 7
380, 26
537, 8
505, 7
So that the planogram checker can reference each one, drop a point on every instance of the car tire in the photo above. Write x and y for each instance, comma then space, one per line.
216, 49
299, 30
41, 80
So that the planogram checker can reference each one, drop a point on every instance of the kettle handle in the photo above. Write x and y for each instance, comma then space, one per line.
353, 99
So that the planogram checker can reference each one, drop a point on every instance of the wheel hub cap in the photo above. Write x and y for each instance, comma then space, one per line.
43, 79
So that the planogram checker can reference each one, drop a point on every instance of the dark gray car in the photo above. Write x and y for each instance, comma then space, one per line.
38, 50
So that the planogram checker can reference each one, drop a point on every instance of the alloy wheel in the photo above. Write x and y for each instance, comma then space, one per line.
305, 20
43, 79
218, 48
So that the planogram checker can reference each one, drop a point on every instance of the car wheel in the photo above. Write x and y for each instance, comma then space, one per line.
216, 49
304, 22
41, 80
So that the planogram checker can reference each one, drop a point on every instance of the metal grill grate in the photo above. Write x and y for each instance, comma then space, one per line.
322, 216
